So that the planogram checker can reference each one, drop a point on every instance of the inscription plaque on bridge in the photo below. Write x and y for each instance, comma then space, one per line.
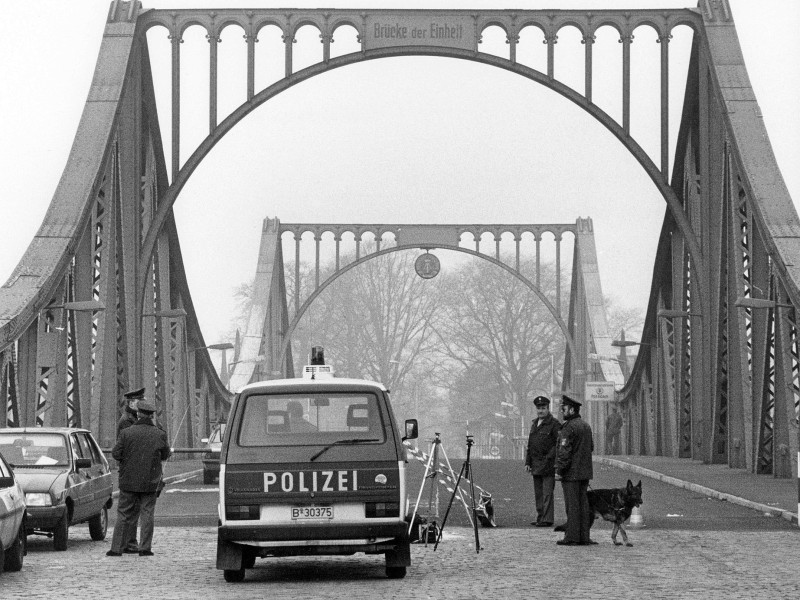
449, 31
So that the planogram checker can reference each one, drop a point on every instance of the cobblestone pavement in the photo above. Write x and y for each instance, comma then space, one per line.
514, 563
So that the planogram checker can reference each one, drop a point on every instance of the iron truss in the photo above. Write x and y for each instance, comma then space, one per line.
265, 349
717, 377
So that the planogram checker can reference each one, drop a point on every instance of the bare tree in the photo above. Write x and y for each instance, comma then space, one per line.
621, 318
375, 321
495, 326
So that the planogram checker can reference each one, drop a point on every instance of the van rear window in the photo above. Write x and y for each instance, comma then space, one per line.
309, 419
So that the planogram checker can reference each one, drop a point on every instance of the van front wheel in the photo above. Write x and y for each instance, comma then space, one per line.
395, 572
234, 575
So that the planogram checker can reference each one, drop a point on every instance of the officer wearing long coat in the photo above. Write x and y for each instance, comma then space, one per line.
540, 460
128, 418
140, 450
574, 468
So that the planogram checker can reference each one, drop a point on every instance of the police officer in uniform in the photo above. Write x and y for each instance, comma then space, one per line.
574, 469
540, 460
128, 418
140, 450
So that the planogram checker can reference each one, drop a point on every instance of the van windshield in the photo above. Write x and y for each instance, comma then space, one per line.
309, 419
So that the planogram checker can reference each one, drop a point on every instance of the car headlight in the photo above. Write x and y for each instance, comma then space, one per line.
38, 499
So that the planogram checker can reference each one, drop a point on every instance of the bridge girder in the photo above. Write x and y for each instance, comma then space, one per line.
720, 382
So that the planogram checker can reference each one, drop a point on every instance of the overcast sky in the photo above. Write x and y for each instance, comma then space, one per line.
396, 140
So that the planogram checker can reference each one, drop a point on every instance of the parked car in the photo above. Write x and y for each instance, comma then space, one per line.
211, 457
12, 520
65, 477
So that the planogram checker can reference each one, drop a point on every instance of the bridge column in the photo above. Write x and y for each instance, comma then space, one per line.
588, 41
176, 40
213, 41
664, 39
288, 40
626, 39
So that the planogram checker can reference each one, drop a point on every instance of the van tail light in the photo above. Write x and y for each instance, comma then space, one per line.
246, 512
375, 510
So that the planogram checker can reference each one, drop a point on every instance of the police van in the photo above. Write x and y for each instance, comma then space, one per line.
312, 466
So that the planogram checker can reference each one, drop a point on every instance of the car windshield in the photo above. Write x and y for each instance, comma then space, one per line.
309, 419
34, 449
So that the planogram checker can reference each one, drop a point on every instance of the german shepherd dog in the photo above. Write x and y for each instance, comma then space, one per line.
615, 505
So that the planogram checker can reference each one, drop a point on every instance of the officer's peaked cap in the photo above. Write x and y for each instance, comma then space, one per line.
570, 401
541, 401
145, 407
134, 394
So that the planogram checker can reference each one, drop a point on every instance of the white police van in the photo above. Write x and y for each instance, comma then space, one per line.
312, 466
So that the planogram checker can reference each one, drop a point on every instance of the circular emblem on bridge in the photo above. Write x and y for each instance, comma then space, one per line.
427, 266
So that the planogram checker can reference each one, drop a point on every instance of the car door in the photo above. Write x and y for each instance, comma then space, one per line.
82, 484
100, 472
12, 506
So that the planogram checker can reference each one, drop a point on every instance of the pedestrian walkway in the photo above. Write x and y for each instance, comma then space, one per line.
173, 470
778, 497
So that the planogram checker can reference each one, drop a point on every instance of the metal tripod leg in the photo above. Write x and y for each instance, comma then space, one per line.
466, 468
422, 487
460, 493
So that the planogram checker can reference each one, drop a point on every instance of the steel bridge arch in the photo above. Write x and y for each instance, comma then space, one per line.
170, 196
287, 336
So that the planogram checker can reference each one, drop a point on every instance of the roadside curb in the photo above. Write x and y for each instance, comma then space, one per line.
700, 489
171, 478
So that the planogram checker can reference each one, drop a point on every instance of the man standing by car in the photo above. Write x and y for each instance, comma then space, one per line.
140, 450
127, 419
540, 460
574, 469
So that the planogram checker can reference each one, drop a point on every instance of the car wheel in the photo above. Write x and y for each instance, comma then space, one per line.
12, 561
395, 572
61, 533
208, 476
98, 525
234, 575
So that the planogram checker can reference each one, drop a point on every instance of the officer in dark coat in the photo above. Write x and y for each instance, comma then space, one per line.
540, 460
574, 469
129, 417
140, 450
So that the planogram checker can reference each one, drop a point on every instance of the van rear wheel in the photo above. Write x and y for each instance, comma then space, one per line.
234, 575
249, 560
395, 572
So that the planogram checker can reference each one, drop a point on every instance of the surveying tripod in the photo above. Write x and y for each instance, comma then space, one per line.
466, 473
430, 529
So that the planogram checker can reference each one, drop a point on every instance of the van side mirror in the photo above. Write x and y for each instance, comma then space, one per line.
83, 463
412, 430
6, 482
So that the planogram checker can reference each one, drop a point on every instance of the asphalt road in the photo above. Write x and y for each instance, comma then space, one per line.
190, 503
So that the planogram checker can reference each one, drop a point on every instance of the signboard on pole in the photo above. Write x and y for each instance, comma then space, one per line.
599, 390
